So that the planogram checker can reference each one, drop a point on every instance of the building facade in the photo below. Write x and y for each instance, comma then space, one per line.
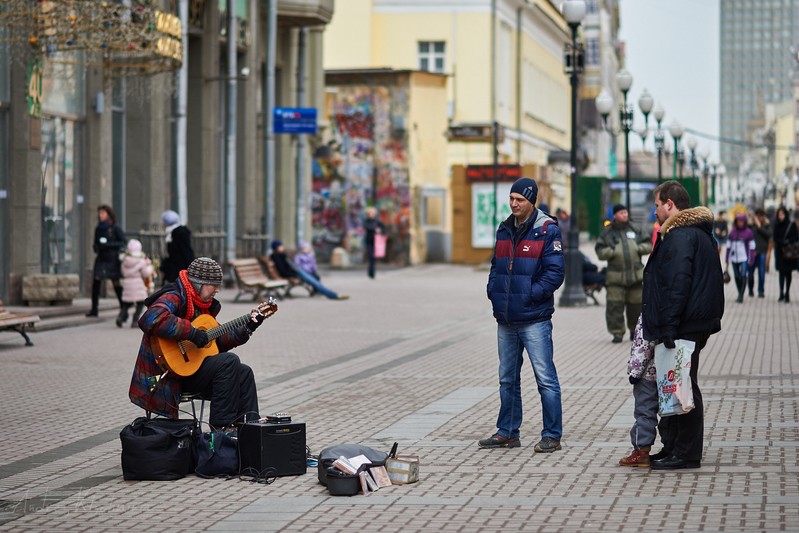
757, 39
99, 138
504, 63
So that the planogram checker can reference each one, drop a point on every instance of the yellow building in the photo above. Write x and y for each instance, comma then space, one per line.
785, 164
504, 62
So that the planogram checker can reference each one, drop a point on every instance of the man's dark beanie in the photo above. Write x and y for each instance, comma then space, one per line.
527, 188
619, 207
276, 244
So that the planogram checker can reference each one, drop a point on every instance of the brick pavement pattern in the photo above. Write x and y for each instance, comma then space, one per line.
411, 357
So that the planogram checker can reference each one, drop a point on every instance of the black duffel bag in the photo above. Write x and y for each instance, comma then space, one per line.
331, 453
158, 449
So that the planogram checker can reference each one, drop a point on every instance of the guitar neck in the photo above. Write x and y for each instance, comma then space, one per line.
227, 327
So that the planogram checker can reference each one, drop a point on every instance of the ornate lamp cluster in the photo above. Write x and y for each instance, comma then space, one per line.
125, 39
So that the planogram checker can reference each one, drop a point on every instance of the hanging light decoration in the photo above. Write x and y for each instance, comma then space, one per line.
126, 40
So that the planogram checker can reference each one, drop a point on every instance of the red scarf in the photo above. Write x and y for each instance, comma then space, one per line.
192, 298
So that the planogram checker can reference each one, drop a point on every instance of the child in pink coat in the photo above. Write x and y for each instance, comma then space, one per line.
136, 268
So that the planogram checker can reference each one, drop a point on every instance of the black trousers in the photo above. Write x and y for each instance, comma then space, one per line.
683, 435
229, 384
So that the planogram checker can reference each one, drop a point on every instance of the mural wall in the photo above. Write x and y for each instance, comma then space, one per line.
363, 163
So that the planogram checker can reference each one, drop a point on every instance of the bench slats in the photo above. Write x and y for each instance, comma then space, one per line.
250, 278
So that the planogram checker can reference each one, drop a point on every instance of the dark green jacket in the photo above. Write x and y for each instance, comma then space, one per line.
623, 246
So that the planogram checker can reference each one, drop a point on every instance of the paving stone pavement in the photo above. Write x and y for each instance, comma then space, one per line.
411, 357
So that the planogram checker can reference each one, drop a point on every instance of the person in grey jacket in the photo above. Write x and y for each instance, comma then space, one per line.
622, 245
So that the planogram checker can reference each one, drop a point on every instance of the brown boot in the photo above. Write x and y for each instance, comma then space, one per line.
636, 458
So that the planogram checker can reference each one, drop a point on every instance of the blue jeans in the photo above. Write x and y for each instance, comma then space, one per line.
739, 273
316, 284
537, 340
760, 266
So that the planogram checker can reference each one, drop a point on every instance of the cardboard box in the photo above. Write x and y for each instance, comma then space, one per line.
403, 469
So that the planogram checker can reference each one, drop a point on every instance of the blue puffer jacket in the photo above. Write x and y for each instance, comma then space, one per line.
526, 270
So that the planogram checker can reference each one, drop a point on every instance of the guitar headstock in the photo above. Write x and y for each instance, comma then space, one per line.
267, 308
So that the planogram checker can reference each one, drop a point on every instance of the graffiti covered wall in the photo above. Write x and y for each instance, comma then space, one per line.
364, 162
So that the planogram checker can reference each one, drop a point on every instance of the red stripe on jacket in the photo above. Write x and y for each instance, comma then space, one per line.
526, 248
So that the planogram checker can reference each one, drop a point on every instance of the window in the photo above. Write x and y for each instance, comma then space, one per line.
592, 51
431, 56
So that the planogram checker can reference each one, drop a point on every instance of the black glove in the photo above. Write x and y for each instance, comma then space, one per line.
256, 319
198, 337
634, 380
668, 342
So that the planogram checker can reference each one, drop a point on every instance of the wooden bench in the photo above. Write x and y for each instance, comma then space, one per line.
17, 322
251, 279
271, 271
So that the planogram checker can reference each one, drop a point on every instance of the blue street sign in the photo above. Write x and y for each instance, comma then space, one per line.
295, 120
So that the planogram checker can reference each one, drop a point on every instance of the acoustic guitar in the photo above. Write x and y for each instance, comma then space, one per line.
184, 358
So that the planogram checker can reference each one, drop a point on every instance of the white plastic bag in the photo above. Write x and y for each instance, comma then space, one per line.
673, 365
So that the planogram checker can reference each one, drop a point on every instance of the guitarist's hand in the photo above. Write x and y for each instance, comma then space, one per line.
256, 319
198, 337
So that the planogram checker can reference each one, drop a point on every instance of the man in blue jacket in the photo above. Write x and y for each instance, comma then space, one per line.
526, 270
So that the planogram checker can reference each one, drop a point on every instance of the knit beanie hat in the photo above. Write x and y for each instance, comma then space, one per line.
619, 207
527, 188
276, 244
134, 247
170, 218
205, 271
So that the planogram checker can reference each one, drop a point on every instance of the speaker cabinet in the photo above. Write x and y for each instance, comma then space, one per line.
280, 447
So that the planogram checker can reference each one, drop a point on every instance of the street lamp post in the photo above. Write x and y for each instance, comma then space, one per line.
573, 293
659, 114
692, 147
676, 131
604, 104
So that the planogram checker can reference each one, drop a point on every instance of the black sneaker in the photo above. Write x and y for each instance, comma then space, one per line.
498, 441
547, 445
616, 339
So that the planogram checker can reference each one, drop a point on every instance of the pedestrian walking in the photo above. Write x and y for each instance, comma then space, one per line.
721, 230
179, 252
741, 253
642, 375
683, 299
109, 240
137, 271
763, 233
622, 245
373, 229
785, 232
526, 270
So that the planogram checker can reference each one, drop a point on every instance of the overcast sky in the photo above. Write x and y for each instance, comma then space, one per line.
672, 49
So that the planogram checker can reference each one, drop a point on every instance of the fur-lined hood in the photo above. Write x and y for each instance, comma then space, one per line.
694, 216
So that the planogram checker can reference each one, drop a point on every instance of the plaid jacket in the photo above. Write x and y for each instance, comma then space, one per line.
152, 387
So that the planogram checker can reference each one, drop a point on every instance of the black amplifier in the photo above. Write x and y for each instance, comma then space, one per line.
280, 447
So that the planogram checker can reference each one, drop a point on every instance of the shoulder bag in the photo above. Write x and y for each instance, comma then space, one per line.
790, 250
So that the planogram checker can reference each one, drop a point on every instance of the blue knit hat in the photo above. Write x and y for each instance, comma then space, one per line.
276, 244
527, 188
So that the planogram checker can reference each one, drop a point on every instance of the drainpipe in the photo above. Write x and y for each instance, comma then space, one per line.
180, 115
232, 67
301, 53
269, 127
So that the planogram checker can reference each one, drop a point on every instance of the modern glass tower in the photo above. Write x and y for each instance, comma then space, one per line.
757, 65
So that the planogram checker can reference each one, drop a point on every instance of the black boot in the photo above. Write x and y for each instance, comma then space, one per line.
123, 315
136, 314
95, 297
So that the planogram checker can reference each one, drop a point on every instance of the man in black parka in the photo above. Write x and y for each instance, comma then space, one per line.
683, 299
